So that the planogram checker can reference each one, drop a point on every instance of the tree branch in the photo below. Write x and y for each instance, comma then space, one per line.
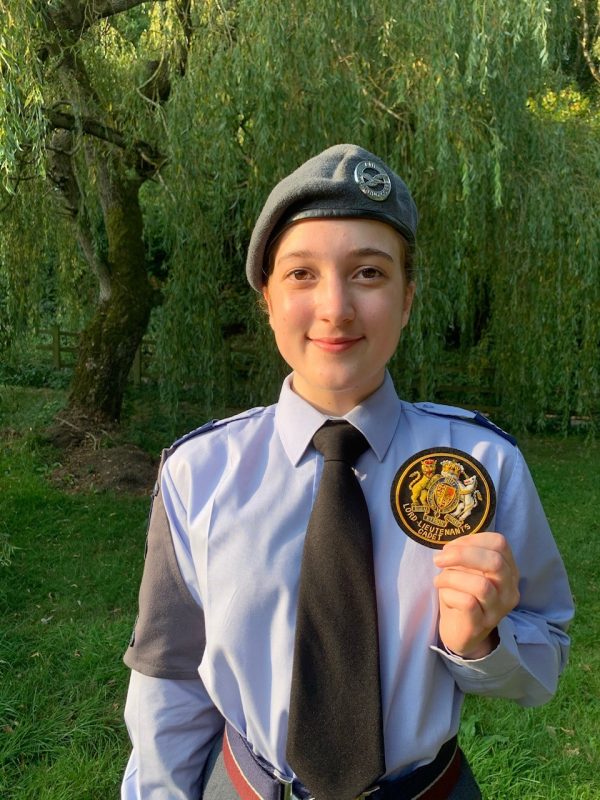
150, 160
64, 180
156, 86
183, 9
68, 122
585, 41
78, 86
76, 16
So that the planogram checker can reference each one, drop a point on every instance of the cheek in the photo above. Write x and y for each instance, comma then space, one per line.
283, 327
387, 311
389, 320
288, 314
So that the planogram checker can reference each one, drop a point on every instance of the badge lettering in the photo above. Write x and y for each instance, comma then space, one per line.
372, 180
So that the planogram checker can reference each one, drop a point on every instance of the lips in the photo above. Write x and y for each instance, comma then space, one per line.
335, 344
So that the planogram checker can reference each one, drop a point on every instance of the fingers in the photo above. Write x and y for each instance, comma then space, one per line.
487, 552
487, 555
478, 586
467, 590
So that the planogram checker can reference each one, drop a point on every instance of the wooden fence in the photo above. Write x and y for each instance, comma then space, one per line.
63, 346
454, 390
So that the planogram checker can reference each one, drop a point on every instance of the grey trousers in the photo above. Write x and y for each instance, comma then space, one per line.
217, 785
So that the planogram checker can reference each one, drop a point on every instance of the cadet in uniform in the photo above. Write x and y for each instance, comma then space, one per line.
326, 577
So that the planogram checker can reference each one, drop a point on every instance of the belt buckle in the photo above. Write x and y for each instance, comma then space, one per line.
288, 793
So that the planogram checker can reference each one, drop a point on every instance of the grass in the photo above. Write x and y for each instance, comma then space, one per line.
68, 601
553, 752
69, 596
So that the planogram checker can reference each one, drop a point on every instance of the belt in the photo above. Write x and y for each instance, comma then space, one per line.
253, 778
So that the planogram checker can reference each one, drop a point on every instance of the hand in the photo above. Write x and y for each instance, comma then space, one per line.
478, 586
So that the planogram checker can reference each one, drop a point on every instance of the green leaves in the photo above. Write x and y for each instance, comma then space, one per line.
21, 118
466, 100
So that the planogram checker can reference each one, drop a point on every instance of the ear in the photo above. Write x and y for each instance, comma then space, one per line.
267, 303
409, 296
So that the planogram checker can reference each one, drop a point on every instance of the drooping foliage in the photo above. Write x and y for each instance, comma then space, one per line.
479, 106
81, 89
451, 93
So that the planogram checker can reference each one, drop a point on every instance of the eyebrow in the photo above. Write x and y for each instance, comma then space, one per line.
359, 251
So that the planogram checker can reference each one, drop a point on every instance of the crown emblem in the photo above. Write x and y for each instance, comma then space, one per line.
451, 468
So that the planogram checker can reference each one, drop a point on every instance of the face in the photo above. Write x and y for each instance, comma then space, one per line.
338, 300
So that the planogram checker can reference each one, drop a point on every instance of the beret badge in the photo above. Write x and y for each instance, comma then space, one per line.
372, 180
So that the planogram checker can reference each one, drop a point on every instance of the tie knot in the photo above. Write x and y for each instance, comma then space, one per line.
340, 441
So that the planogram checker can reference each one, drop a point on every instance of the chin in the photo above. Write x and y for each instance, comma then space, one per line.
354, 390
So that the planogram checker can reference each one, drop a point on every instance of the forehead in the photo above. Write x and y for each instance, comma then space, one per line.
337, 237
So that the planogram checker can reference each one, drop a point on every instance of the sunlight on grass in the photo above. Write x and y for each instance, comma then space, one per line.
68, 600
553, 752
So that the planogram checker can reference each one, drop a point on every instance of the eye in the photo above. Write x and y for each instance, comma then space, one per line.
369, 273
299, 274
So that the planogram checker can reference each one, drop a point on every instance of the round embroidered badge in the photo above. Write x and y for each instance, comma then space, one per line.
440, 494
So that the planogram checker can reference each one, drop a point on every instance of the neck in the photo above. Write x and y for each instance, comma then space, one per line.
336, 404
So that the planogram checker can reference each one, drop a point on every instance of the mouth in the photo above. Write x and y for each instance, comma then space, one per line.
335, 344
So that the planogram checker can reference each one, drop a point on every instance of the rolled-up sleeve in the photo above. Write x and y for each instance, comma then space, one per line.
534, 645
171, 720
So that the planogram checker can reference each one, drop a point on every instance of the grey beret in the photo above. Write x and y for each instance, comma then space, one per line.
342, 181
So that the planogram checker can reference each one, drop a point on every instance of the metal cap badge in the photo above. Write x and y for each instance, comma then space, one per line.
372, 180
440, 494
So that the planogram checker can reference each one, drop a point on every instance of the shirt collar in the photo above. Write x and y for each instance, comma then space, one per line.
376, 418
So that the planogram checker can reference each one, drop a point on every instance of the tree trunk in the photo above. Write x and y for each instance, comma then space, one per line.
116, 165
110, 340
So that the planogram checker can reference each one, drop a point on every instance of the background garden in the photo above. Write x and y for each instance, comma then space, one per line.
138, 141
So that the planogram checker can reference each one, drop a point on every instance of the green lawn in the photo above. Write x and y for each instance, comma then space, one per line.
553, 752
68, 601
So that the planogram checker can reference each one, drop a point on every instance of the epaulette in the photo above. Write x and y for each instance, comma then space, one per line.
208, 426
468, 416
196, 432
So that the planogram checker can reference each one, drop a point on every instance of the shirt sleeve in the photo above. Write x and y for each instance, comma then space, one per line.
171, 720
169, 637
534, 645
172, 725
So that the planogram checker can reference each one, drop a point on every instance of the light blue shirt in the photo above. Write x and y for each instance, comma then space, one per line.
238, 498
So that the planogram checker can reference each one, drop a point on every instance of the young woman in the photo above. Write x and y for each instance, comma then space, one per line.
326, 577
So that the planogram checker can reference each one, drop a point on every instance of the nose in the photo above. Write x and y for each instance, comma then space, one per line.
335, 303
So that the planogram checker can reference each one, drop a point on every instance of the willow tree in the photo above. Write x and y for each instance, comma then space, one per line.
458, 97
470, 101
81, 112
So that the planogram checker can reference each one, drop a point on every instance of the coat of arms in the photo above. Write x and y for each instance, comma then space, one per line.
438, 495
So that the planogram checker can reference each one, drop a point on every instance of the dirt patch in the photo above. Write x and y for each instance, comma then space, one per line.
94, 458
121, 468
72, 429
9, 434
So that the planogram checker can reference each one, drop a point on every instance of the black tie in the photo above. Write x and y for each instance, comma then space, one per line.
335, 730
